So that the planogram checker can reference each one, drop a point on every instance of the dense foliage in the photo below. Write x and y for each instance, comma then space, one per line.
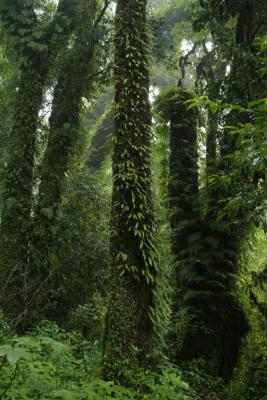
133, 159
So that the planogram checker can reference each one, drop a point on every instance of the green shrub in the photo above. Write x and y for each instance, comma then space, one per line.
50, 363
250, 377
202, 385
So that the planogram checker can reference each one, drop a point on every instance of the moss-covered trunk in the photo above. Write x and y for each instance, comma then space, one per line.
183, 173
222, 323
129, 327
186, 225
204, 260
37, 52
228, 233
72, 84
17, 194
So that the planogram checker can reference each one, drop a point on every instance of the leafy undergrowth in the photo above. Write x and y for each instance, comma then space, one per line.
202, 385
50, 363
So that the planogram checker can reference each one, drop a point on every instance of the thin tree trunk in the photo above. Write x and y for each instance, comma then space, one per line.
211, 143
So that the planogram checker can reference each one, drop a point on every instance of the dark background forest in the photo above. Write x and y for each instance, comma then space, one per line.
133, 159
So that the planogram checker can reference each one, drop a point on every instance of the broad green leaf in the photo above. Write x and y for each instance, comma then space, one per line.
14, 354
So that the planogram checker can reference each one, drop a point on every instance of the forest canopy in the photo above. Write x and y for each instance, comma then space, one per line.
133, 199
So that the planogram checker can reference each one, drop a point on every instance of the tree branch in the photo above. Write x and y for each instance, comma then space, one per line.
183, 63
102, 12
61, 25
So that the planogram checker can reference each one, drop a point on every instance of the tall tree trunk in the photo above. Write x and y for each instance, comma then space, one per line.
202, 264
17, 194
129, 327
186, 225
72, 85
232, 325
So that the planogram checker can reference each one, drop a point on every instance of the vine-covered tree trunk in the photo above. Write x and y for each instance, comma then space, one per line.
36, 52
203, 266
183, 190
185, 214
129, 327
17, 195
72, 84
183, 172
244, 83
227, 234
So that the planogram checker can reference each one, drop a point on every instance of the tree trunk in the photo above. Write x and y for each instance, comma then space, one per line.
17, 293
73, 83
129, 327
17, 194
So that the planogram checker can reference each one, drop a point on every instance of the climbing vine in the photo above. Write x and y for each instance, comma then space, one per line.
133, 268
